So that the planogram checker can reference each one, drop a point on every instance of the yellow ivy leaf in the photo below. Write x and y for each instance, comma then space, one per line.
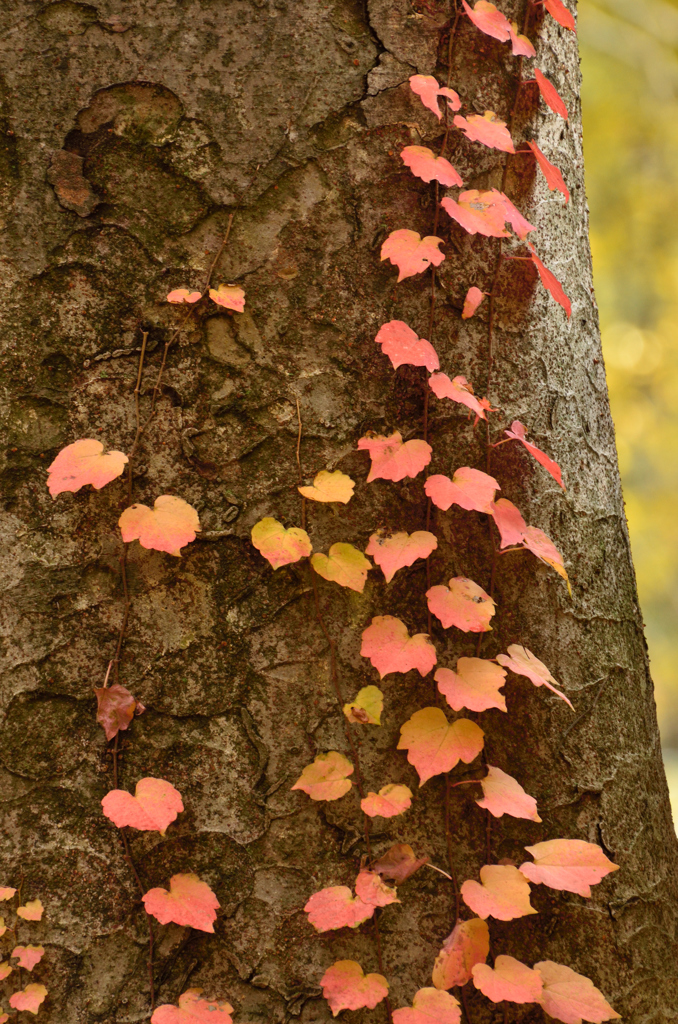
328, 486
367, 707
344, 565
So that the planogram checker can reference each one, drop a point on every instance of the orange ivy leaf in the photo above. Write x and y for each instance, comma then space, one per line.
426, 165
193, 1010
399, 863
183, 295
344, 565
31, 911
390, 648
550, 94
327, 777
523, 663
502, 893
6, 892
28, 956
337, 907
554, 178
543, 547
435, 745
467, 945
371, 889
571, 997
474, 297
518, 432
154, 806
559, 11
475, 685
551, 282
390, 801
509, 979
570, 865
336, 486
463, 604
430, 1006
459, 390
168, 526
31, 998
115, 708
479, 213
367, 707
471, 489
404, 347
190, 902
400, 550
278, 545
521, 45
81, 463
488, 129
229, 296
489, 20
346, 987
513, 530
502, 794
428, 90
393, 459
411, 253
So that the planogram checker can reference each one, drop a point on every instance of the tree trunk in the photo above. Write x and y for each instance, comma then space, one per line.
129, 141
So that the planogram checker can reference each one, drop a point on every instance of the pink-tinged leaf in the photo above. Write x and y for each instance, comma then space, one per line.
467, 945
471, 489
523, 663
550, 94
371, 889
337, 907
5, 970
570, 865
475, 685
278, 545
399, 863
411, 253
521, 45
559, 11
479, 213
390, 648
474, 297
430, 1006
554, 178
463, 604
183, 295
31, 998
551, 283
459, 390
404, 347
81, 463
4, 1017
428, 90
344, 565
543, 547
155, 804
229, 296
489, 20
366, 709
509, 522
390, 801
519, 433
168, 526
400, 550
393, 459
502, 893
346, 987
31, 911
435, 745
502, 794
327, 487
509, 979
426, 165
327, 777
520, 225
488, 129
28, 956
189, 902
115, 708
6, 892
193, 1010
571, 997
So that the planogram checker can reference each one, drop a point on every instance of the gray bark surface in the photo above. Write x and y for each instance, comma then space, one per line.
128, 139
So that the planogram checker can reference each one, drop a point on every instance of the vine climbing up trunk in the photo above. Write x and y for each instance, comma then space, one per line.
267, 655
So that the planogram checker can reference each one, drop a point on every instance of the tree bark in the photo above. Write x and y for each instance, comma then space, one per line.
129, 139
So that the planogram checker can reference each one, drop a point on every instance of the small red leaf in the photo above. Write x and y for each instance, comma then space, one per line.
428, 90
193, 1010
399, 863
474, 297
390, 801
189, 902
519, 433
229, 296
278, 545
463, 604
393, 459
468, 944
371, 889
31, 911
426, 165
489, 20
411, 253
390, 648
554, 178
559, 11
551, 283
115, 708
344, 565
183, 295
31, 998
459, 390
509, 522
6, 892
346, 987
521, 45
488, 129
400, 343
471, 489
550, 94
154, 806
28, 956
520, 225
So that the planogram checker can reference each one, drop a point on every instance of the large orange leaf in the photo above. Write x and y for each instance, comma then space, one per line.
502, 794
570, 865
475, 685
390, 648
468, 944
571, 997
463, 604
435, 745
81, 463
168, 526
508, 979
400, 550
327, 777
346, 987
190, 902
502, 893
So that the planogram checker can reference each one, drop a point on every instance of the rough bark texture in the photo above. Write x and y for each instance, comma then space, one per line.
128, 138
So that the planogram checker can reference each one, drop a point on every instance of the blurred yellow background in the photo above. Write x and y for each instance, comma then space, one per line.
629, 52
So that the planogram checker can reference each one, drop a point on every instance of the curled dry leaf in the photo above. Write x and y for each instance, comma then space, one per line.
404, 347
31, 998
229, 296
28, 956
463, 604
459, 390
193, 1010
390, 648
426, 165
81, 463
502, 893
509, 979
31, 911
467, 945
559, 11
474, 297
183, 295
550, 94
570, 865
430, 1006
489, 20
435, 745
400, 550
115, 708
488, 129
344, 565
551, 282
168, 526
502, 794
6, 892
475, 685
518, 433
371, 889
524, 663
471, 489
327, 777
390, 801
411, 253
571, 997
346, 987
278, 545
428, 90
399, 863
554, 178
337, 907
154, 806
394, 459
190, 902
336, 486
366, 709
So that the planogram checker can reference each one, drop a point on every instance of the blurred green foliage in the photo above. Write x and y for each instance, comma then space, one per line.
630, 110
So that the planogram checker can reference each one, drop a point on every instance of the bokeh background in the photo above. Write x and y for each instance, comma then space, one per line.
629, 52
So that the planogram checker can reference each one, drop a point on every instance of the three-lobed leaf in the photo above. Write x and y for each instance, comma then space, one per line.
390, 801
400, 550
81, 463
168, 526
487, 129
278, 545
344, 565
404, 347
337, 907
474, 685
30, 998
426, 165
346, 987
469, 488
502, 893
411, 253
390, 648
429, 1006
28, 956
394, 459
327, 777
32, 910
435, 745
154, 806
329, 487
509, 979
193, 1010
462, 604
189, 902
